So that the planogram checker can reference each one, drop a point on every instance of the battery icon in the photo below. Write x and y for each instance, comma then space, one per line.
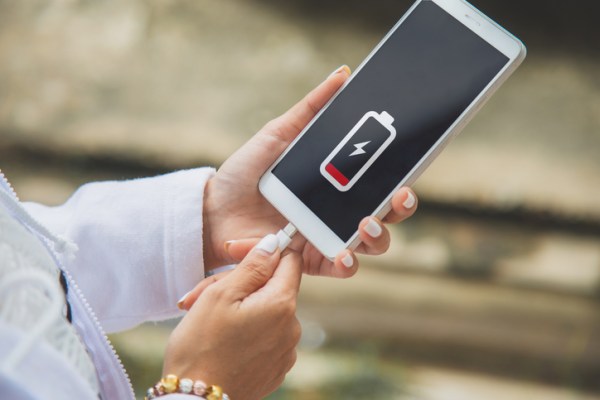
353, 156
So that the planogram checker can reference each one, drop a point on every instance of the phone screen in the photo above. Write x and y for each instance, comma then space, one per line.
394, 110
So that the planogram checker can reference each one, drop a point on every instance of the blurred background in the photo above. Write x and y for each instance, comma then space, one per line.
491, 291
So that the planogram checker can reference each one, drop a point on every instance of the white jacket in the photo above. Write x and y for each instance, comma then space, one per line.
139, 250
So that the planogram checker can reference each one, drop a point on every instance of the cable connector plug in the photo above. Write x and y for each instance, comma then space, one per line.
285, 236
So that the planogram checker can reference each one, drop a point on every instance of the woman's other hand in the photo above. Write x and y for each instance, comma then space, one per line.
241, 332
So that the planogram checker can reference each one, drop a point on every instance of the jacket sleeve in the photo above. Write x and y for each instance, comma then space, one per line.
140, 244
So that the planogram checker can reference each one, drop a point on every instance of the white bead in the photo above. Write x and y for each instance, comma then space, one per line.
199, 388
185, 385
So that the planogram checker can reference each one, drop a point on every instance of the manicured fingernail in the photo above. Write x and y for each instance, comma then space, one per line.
340, 69
227, 244
373, 228
268, 244
348, 261
410, 201
181, 300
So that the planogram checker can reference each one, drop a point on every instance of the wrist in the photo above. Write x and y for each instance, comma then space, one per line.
212, 252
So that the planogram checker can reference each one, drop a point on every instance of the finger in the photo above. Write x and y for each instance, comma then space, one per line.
276, 135
238, 249
188, 300
289, 125
345, 265
404, 205
303, 112
374, 236
255, 269
288, 275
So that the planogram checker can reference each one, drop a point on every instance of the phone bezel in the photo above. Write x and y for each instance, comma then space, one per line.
311, 226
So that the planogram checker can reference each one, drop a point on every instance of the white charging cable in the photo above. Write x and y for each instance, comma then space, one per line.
286, 235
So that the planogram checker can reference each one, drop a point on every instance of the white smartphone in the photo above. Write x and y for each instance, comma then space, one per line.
416, 90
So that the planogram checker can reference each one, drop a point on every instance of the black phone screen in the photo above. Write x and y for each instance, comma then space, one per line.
424, 76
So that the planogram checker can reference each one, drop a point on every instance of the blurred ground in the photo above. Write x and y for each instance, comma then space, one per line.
494, 285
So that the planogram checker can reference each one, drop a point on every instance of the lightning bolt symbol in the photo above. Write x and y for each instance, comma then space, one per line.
359, 149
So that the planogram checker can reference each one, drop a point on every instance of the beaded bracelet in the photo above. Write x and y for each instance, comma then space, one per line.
172, 384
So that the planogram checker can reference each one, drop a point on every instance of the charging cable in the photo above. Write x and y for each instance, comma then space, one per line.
286, 235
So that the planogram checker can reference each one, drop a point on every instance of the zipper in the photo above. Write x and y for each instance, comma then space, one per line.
54, 245
98, 326
4, 182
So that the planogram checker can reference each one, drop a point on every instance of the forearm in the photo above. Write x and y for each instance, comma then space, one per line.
140, 243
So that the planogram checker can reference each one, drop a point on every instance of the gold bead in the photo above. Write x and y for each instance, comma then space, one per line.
170, 383
214, 393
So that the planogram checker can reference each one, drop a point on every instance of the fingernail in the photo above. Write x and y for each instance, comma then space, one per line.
268, 244
181, 300
227, 244
348, 261
373, 228
410, 201
340, 69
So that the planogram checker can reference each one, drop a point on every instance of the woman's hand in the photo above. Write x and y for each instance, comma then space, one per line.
241, 333
234, 209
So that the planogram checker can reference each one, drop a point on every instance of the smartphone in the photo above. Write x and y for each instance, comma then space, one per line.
417, 89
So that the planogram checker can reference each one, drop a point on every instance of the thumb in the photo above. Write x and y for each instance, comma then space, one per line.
290, 124
276, 135
255, 269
